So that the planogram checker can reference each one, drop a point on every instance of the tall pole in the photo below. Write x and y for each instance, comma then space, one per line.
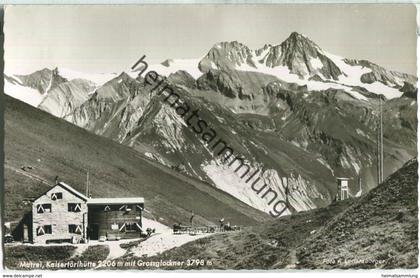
378, 148
382, 144
87, 184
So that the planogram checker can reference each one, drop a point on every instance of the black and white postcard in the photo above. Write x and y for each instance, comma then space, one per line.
265, 137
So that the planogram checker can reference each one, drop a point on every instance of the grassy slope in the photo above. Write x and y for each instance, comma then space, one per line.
54, 147
383, 225
260, 247
15, 255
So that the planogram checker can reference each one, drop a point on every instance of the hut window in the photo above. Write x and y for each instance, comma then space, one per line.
48, 229
56, 196
75, 229
130, 227
42, 230
43, 208
74, 207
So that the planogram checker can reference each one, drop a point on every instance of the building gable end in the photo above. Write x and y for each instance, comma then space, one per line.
65, 187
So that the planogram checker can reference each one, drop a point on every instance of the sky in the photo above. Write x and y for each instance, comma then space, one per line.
98, 39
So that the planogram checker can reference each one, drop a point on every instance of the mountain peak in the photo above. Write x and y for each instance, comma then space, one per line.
296, 35
230, 47
226, 55
122, 78
123, 74
301, 56
297, 40
167, 62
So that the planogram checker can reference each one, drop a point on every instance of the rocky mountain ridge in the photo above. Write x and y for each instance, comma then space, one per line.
298, 113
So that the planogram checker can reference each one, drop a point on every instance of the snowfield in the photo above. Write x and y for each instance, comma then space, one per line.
353, 75
283, 73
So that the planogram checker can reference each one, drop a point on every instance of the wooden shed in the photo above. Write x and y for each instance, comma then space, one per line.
115, 218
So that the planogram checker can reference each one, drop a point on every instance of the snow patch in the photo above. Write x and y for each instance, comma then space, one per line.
22, 93
153, 156
262, 57
149, 155
361, 133
316, 63
213, 65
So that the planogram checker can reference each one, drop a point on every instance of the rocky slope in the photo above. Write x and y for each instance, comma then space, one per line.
67, 96
315, 136
301, 115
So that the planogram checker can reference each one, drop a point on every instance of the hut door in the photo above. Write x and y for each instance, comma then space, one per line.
94, 231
